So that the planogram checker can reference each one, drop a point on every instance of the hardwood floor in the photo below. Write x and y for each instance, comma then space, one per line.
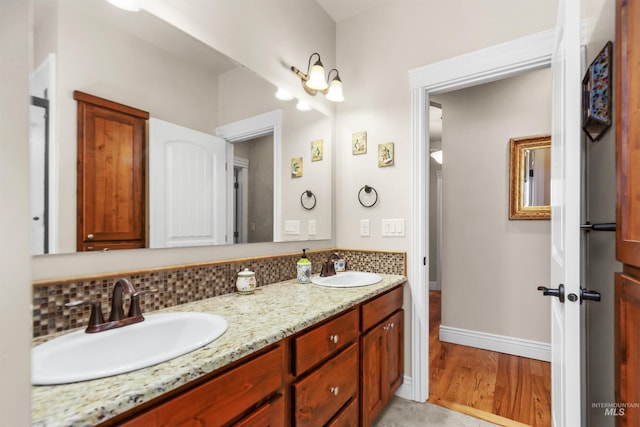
500, 388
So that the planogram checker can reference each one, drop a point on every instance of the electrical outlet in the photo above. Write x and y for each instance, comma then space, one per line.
312, 227
364, 228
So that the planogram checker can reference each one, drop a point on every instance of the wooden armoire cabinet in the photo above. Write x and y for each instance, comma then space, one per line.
627, 283
111, 175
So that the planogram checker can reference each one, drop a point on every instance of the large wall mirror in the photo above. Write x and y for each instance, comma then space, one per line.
138, 60
530, 177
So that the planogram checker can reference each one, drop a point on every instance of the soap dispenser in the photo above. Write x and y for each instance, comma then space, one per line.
304, 268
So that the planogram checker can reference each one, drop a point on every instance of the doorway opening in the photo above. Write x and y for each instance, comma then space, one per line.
491, 64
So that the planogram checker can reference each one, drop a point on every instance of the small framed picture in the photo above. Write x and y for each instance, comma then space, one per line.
296, 167
359, 143
317, 149
596, 95
385, 154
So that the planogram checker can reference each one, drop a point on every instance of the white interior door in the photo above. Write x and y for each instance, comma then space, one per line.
566, 325
187, 187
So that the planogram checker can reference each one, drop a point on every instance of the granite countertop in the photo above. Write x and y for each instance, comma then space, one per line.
272, 313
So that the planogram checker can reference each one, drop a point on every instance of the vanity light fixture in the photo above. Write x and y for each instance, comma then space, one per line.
313, 81
128, 5
437, 156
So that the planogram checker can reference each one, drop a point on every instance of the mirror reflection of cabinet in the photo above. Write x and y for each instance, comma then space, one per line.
530, 177
111, 175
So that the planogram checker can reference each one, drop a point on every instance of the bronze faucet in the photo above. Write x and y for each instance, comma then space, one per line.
328, 268
117, 318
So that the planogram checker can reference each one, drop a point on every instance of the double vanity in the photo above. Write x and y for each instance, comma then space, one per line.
292, 354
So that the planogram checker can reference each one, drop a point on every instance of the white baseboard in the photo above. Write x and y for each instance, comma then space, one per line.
503, 344
434, 286
406, 388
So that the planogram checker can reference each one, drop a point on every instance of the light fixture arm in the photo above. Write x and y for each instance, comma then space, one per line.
305, 77
313, 81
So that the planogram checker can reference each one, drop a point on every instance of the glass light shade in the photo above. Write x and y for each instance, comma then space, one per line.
335, 91
128, 5
283, 95
437, 156
316, 77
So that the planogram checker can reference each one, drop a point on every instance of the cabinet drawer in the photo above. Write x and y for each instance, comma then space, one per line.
314, 346
376, 310
319, 396
225, 397
269, 415
348, 417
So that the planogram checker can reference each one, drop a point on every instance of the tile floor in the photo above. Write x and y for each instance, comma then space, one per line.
406, 413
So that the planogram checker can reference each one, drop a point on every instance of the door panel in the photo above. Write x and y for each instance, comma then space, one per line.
187, 186
565, 218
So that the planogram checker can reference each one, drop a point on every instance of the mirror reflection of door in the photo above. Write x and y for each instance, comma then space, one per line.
40, 145
253, 189
537, 175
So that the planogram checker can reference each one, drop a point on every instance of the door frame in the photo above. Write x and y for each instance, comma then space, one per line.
249, 128
486, 65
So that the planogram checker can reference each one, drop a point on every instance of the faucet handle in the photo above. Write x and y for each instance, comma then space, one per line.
134, 306
96, 317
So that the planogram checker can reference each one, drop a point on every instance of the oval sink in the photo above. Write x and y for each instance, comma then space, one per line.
79, 356
347, 279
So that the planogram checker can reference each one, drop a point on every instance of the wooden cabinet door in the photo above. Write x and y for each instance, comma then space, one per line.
372, 394
627, 319
382, 365
111, 174
627, 298
394, 368
627, 64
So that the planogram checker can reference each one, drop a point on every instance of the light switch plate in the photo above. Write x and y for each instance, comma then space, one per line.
312, 227
393, 227
292, 227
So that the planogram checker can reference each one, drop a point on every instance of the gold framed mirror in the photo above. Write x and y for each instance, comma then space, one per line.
530, 177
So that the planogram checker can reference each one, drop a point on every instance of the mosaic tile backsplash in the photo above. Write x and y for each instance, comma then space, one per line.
177, 286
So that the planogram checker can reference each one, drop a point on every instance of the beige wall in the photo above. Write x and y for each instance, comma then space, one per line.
375, 51
15, 264
491, 265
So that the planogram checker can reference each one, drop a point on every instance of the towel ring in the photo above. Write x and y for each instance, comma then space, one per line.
367, 190
308, 205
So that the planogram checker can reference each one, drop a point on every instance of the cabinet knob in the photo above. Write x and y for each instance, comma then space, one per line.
334, 338
90, 236
334, 390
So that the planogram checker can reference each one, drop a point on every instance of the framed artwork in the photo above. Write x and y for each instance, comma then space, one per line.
317, 149
359, 143
596, 95
296, 167
385, 154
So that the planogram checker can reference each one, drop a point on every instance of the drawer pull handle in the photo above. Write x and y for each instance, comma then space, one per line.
334, 390
334, 338
391, 325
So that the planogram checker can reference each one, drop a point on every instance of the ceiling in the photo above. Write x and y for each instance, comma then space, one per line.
342, 9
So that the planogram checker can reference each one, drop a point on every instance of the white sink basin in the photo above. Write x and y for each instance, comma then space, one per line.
347, 279
79, 356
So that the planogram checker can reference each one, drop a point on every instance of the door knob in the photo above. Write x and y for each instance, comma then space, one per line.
586, 295
559, 292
